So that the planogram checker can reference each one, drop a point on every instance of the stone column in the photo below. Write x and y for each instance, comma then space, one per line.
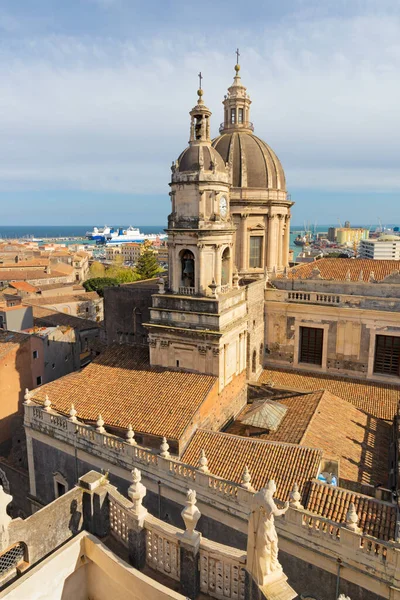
271, 248
218, 266
244, 264
95, 503
137, 532
286, 241
201, 284
189, 548
280, 241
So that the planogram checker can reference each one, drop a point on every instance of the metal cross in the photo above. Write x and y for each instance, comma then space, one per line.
200, 79
237, 56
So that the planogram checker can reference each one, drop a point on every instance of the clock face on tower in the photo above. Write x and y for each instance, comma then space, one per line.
223, 207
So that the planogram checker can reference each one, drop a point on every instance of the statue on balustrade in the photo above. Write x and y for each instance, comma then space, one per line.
262, 542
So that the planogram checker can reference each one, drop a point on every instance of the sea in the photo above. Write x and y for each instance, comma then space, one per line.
79, 232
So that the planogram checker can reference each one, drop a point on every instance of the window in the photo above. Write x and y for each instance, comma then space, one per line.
311, 340
60, 485
53, 366
256, 243
240, 115
35, 354
39, 380
387, 355
177, 363
254, 362
233, 116
60, 489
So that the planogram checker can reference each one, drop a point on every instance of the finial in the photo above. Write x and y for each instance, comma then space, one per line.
46, 403
130, 436
100, 425
352, 518
27, 396
200, 90
72, 414
203, 462
237, 66
295, 497
246, 480
164, 447
191, 514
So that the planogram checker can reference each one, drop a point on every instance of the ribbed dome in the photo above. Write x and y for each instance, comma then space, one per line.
254, 163
189, 160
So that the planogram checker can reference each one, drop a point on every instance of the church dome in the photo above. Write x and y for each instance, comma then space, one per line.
252, 162
195, 155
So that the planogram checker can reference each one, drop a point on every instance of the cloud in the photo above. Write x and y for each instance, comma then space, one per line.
110, 114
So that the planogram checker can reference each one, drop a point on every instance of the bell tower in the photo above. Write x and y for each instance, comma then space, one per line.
199, 318
200, 229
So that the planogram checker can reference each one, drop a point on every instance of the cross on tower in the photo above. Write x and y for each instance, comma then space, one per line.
200, 79
237, 56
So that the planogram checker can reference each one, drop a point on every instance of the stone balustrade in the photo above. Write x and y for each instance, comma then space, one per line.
378, 560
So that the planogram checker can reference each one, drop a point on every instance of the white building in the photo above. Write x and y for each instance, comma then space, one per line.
386, 247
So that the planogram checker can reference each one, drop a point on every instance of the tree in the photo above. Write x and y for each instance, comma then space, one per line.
97, 284
97, 269
147, 266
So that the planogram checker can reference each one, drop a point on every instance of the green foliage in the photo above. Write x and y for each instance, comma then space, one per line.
147, 266
97, 284
96, 270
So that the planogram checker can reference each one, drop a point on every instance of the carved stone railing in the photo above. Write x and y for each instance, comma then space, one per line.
222, 571
162, 547
187, 291
313, 298
170, 471
225, 288
299, 526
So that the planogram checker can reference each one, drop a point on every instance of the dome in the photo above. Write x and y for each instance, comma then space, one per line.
189, 160
254, 163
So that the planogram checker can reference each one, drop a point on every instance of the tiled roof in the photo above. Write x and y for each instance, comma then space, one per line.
229, 454
22, 275
10, 340
23, 285
337, 269
122, 386
321, 420
377, 399
49, 317
24, 264
60, 299
376, 518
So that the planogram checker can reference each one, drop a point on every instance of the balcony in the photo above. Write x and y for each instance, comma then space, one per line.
247, 125
187, 291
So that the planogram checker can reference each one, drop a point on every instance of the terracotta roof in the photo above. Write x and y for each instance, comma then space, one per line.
122, 386
377, 399
321, 420
23, 285
22, 275
10, 340
24, 264
229, 454
60, 299
376, 518
337, 269
49, 317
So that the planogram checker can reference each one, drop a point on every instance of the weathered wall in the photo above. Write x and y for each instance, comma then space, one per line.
126, 307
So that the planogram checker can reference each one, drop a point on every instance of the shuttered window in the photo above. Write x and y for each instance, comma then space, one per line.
256, 243
387, 355
311, 341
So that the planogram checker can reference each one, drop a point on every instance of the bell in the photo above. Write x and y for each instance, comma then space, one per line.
189, 267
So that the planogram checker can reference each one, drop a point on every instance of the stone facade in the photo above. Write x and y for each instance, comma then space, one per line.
350, 315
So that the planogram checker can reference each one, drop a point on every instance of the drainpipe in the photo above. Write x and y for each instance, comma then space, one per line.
339, 564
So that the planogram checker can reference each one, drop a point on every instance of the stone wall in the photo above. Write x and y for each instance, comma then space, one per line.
126, 308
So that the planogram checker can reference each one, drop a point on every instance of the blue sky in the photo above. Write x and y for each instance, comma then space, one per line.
95, 97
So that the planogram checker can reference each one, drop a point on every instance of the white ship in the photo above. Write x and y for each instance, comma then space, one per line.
132, 234
101, 235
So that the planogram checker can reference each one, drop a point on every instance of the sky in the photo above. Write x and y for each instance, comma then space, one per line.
95, 96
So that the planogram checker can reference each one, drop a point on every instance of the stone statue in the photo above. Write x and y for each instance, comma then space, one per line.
262, 542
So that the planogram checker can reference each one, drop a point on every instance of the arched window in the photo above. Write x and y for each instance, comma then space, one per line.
226, 259
254, 362
187, 264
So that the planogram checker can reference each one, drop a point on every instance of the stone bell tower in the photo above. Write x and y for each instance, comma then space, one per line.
199, 319
200, 229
